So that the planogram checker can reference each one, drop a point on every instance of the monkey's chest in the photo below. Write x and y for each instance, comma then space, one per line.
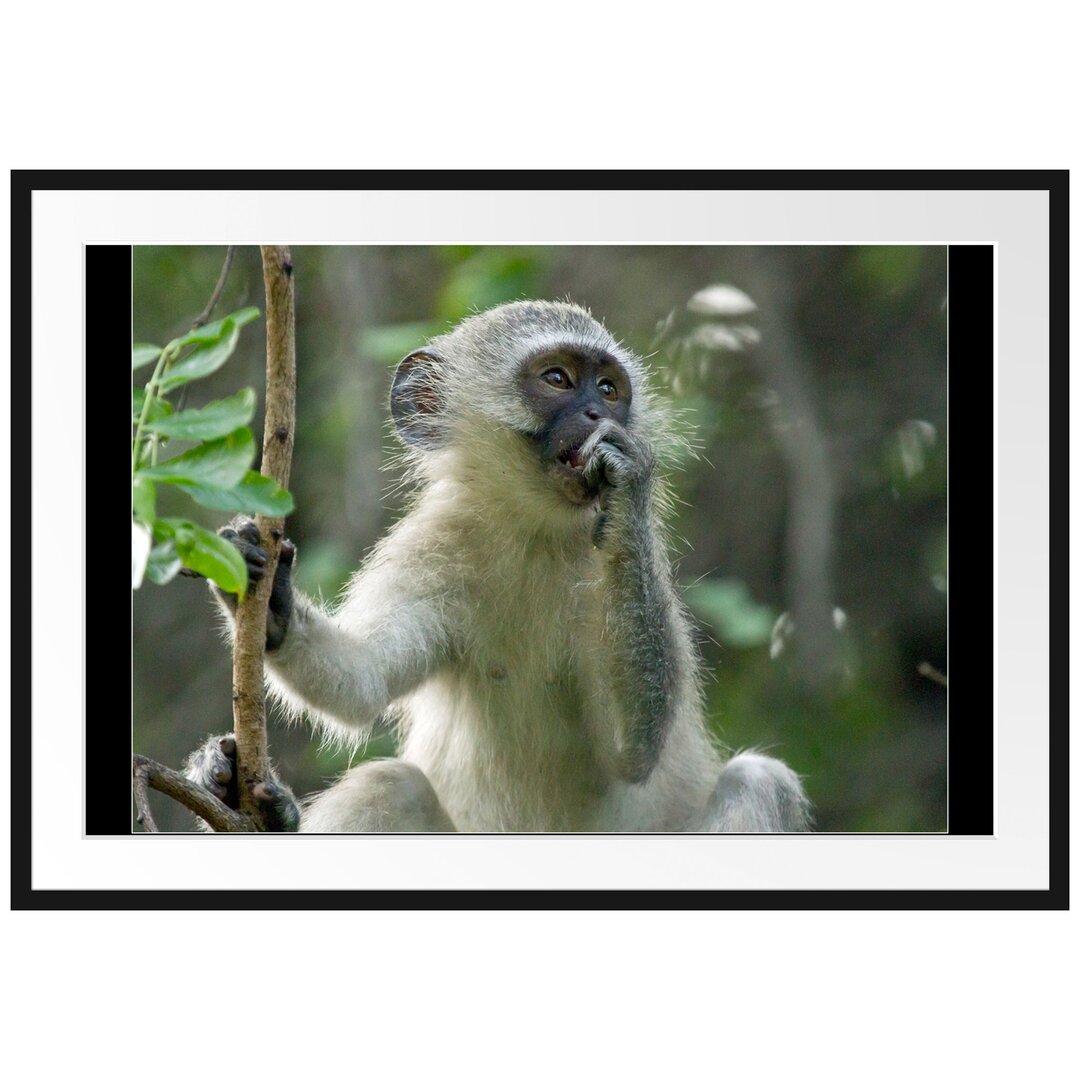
503, 731
504, 736
525, 640
504, 752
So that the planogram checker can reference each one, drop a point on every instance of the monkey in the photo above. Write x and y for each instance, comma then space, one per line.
520, 625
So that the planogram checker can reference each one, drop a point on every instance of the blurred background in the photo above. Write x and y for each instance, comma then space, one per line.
812, 518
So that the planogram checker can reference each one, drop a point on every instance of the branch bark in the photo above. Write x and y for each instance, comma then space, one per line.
148, 773
249, 704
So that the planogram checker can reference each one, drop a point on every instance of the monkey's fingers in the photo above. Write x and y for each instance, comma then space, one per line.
243, 536
615, 458
221, 763
277, 807
606, 464
213, 767
246, 529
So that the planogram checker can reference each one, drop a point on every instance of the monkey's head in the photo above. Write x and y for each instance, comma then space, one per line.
505, 402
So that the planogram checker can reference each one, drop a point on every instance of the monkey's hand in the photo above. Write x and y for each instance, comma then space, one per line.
615, 459
244, 536
213, 767
621, 467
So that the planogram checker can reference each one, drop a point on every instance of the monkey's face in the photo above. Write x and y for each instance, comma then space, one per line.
572, 392
516, 405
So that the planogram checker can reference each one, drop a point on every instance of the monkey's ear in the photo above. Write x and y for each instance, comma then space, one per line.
416, 402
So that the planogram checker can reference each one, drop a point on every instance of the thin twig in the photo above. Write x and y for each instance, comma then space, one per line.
928, 671
147, 772
201, 320
204, 318
140, 787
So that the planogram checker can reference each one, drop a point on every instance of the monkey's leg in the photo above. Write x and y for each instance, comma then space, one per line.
380, 796
756, 793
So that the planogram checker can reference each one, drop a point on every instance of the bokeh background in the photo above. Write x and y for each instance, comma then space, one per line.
812, 518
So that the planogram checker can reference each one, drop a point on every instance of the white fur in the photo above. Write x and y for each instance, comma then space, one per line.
483, 618
483, 660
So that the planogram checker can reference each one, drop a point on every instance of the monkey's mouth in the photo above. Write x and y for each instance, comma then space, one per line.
572, 458
568, 471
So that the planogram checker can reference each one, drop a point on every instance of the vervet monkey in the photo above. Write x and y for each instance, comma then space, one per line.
520, 623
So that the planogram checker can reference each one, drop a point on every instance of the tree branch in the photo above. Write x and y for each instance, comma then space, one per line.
204, 317
142, 803
148, 773
249, 718
249, 707
802, 440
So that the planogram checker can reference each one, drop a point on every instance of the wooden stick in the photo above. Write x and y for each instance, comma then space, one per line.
249, 706
148, 773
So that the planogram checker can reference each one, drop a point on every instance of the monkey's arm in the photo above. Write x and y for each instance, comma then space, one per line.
343, 668
642, 650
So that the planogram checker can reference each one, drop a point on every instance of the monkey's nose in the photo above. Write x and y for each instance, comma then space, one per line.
592, 413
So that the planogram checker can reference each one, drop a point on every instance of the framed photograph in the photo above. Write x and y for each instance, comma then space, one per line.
652, 539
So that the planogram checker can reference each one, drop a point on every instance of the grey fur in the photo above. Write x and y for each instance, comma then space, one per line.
534, 648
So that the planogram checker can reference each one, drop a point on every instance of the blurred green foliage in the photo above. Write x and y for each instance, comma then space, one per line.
848, 341
728, 608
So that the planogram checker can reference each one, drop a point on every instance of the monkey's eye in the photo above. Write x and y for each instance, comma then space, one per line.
558, 378
608, 389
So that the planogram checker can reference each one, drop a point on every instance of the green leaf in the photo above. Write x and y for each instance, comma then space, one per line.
210, 422
214, 331
163, 564
141, 355
165, 529
206, 553
489, 277
388, 344
140, 551
255, 494
143, 497
203, 361
219, 463
158, 408
731, 611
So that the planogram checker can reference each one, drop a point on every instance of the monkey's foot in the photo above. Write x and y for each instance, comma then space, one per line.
213, 767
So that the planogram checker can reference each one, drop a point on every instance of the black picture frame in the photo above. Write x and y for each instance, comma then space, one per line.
970, 786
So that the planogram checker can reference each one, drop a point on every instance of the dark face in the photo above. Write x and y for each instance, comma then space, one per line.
571, 392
